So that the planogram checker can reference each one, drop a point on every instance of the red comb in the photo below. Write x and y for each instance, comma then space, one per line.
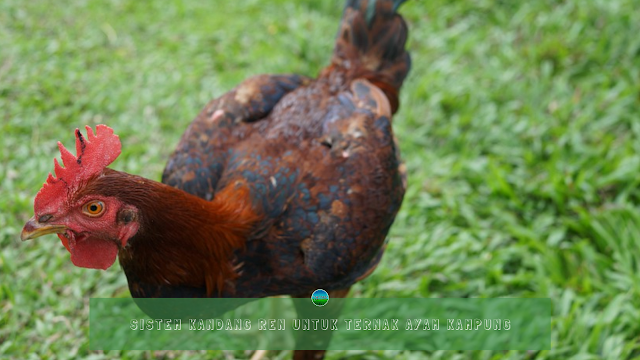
94, 153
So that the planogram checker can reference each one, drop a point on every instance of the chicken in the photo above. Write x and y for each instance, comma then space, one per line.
281, 186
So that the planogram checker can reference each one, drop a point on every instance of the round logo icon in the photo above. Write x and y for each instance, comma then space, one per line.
320, 297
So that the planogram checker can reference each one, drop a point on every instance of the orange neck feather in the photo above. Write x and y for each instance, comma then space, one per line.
183, 240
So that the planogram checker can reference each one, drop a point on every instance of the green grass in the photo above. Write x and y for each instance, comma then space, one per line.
519, 126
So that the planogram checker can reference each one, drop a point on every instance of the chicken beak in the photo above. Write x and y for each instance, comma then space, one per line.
33, 229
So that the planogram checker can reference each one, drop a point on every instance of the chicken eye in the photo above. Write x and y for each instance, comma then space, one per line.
93, 208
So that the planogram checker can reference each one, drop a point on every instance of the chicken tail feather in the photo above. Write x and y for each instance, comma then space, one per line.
371, 44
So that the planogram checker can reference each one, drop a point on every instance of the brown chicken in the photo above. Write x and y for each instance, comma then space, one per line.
281, 186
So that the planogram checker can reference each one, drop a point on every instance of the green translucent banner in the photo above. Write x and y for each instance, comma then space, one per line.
342, 324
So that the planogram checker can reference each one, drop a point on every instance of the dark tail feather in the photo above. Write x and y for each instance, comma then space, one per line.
370, 44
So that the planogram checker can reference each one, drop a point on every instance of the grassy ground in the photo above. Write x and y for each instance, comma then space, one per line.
519, 126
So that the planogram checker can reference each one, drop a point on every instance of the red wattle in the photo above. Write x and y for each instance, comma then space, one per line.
65, 242
92, 253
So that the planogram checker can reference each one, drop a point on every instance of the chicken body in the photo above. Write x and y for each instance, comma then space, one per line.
318, 157
322, 167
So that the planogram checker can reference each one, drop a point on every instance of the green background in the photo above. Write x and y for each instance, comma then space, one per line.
518, 124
